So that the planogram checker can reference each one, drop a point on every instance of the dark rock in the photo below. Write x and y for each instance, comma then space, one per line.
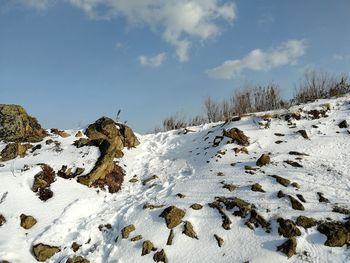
217, 140
75, 246
189, 231
44, 178
283, 181
294, 164
280, 194
321, 198
77, 259
257, 220
235, 202
196, 206
338, 233
180, 195
263, 160
279, 134
343, 124
113, 180
65, 173
306, 222
298, 153
288, 228
2, 220
136, 238
147, 247
17, 126
45, 194
149, 179
160, 256
36, 147
296, 185
257, 188
301, 198
226, 221
341, 210
27, 222
60, 133
230, 187
170, 238
12, 150
219, 240
237, 136
278, 142
236, 118
43, 252
151, 206
296, 205
289, 247
173, 216
304, 134
127, 230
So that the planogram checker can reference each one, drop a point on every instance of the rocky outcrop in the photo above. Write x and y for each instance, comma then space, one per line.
17, 126
237, 136
43, 252
12, 150
111, 138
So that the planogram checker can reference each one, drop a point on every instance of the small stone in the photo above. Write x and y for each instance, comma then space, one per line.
219, 240
43, 252
321, 198
289, 247
127, 230
133, 180
304, 134
27, 222
2, 220
296, 185
147, 247
60, 133
181, 195
136, 238
280, 194
75, 246
281, 180
296, 205
294, 164
189, 231
306, 222
230, 187
151, 206
263, 160
343, 124
196, 206
301, 198
45, 194
77, 259
153, 177
170, 237
79, 134
160, 256
173, 216
257, 188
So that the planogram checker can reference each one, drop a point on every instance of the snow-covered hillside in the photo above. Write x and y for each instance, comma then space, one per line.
182, 168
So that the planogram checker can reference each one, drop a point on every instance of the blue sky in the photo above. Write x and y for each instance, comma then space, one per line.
69, 62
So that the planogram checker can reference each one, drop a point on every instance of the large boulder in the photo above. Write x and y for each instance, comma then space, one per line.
12, 150
17, 126
111, 138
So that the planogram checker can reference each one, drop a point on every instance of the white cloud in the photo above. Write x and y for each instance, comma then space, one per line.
341, 57
154, 61
36, 4
258, 60
179, 22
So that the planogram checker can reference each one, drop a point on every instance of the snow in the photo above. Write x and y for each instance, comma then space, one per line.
180, 162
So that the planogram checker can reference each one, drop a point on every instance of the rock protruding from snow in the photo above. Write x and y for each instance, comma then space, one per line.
289, 247
237, 136
43, 252
12, 150
173, 216
27, 221
17, 126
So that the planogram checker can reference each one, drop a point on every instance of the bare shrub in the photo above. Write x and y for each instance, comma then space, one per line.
267, 98
195, 121
212, 110
174, 122
341, 87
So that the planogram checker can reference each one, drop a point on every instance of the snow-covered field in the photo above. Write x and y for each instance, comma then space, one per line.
190, 165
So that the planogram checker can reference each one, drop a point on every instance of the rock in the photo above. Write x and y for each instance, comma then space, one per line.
298, 153
257, 220
226, 221
170, 238
2, 220
27, 222
43, 252
63, 134
180, 195
65, 173
306, 222
79, 134
196, 206
321, 198
338, 233
263, 160
281, 180
77, 259
301, 198
17, 126
36, 147
111, 138
289, 247
147, 247
75, 246
219, 240
150, 206
189, 231
127, 230
279, 134
278, 142
113, 180
44, 178
173, 216
294, 164
288, 228
296, 205
257, 188
341, 210
136, 238
235, 202
160, 256
343, 124
230, 187
304, 134
12, 150
45, 194
280, 194
296, 185
149, 179
237, 136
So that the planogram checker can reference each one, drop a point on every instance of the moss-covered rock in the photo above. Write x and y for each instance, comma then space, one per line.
257, 188
338, 233
127, 230
296, 205
288, 228
289, 247
12, 150
43, 252
263, 160
173, 216
17, 126
306, 222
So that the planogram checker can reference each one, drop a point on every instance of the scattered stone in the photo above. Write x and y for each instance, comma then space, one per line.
289, 247
2, 220
257, 220
341, 210
65, 173
60, 133
27, 222
230, 187
134, 179
36, 147
17, 126
219, 240
294, 164
78, 171
196, 206
77, 259
153, 177
189, 231
150, 206
306, 222
288, 228
296, 185
226, 221
338, 233
43, 252
304, 134
321, 198
147, 247
112, 180
160, 256
45, 194
220, 174
298, 153
343, 124
296, 205
181, 195
301, 198
281, 180
75, 246
217, 140
237, 136
236, 118
279, 134
240, 150
235, 202
263, 160
44, 178
278, 142
79, 134
12, 150
49, 141
249, 168
173, 216
280, 194
136, 238
257, 188
170, 237
127, 230
105, 227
